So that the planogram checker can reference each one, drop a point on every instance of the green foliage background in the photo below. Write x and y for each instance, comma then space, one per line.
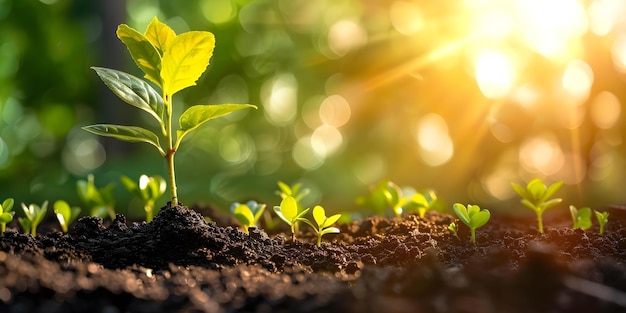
263, 48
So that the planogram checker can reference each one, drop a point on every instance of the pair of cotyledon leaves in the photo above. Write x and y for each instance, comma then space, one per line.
172, 62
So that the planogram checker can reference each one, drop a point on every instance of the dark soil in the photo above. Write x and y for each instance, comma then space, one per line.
180, 263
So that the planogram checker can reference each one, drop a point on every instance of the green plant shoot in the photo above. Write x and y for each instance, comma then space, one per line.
395, 199
580, 218
323, 223
288, 212
454, 229
296, 191
248, 214
6, 214
423, 202
149, 190
172, 62
65, 214
34, 215
536, 197
99, 201
472, 216
603, 218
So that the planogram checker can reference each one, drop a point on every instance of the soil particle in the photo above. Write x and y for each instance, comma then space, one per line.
181, 263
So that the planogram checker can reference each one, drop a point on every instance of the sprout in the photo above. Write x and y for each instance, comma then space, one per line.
34, 216
172, 62
323, 222
424, 201
247, 214
535, 196
581, 218
288, 212
603, 218
6, 214
472, 216
454, 229
65, 214
99, 201
295, 191
149, 190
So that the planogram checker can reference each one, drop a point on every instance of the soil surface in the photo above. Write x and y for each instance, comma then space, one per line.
181, 263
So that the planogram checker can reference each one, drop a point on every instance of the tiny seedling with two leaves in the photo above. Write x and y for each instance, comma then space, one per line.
6, 214
248, 214
295, 191
34, 214
536, 196
149, 190
472, 216
65, 214
99, 201
288, 212
172, 62
603, 218
323, 224
454, 229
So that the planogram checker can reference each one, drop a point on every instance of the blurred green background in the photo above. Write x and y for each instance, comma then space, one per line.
464, 97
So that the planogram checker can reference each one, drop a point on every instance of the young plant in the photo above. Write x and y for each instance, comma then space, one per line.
65, 214
247, 214
603, 218
288, 212
34, 215
536, 197
423, 202
472, 216
454, 229
99, 201
323, 223
395, 198
172, 62
149, 190
6, 214
295, 191
581, 218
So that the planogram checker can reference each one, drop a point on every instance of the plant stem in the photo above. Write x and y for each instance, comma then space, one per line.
319, 240
540, 221
3, 228
169, 156
473, 238
148, 208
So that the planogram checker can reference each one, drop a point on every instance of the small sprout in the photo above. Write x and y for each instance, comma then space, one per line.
65, 214
536, 197
149, 190
603, 218
423, 202
395, 199
323, 222
376, 201
581, 218
99, 201
288, 212
247, 214
6, 214
34, 216
472, 216
454, 230
295, 191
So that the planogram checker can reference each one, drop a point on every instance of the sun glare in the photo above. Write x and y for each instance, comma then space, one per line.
495, 73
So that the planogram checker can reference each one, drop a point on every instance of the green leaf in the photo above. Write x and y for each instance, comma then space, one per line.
480, 218
7, 205
520, 190
186, 58
332, 220
536, 188
289, 209
145, 55
133, 91
551, 190
551, 203
461, 212
197, 115
244, 215
126, 133
319, 215
160, 35
130, 185
330, 230
6, 217
529, 205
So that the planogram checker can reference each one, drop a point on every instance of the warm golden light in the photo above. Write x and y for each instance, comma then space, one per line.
605, 110
495, 73
577, 80
406, 17
435, 145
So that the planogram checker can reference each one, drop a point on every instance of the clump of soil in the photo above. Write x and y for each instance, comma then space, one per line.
181, 263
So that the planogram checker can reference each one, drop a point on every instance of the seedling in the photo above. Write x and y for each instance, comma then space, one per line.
65, 214
323, 223
472, 216
581, 218
295, 191
377, 201
149, 190
6, 214
423, 202
172, 62
34, 215
99, 201
247, 214
395, 199
603, 218
536, 197
288, 212
454, 230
